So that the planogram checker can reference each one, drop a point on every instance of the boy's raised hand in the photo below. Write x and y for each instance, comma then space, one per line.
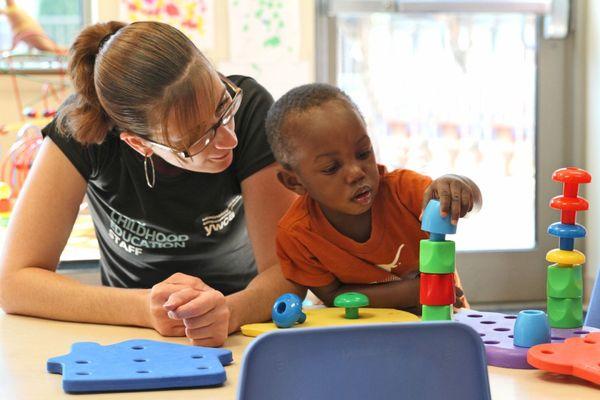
457, 194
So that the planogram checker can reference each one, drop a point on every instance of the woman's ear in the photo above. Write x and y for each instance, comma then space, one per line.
136, 143
289, 179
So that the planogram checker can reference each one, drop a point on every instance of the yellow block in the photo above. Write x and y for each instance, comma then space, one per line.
565, 257
5, 190
335, 317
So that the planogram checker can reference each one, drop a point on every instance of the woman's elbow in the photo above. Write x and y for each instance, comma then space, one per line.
9, 299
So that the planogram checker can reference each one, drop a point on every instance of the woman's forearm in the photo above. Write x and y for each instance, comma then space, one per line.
42, 293
254, 303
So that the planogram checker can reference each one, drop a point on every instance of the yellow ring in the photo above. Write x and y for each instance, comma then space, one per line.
565, 257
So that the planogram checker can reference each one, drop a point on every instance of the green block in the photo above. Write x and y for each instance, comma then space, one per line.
564, 282
565, 313
436, 313
437, 257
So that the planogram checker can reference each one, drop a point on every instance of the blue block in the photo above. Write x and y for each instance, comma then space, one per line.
567, 244
568, 231
567, 234
287, 311
139, 365
531, 328
433, 222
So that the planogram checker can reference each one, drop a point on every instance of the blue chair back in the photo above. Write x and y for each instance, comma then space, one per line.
592, 317
436, 360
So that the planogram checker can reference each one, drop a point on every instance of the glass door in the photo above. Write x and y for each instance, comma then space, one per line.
462, 87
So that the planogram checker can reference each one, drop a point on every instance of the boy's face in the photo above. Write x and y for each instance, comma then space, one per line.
334, 161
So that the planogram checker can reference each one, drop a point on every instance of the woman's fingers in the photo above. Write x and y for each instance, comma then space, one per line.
187, 280
203, 302
179, 298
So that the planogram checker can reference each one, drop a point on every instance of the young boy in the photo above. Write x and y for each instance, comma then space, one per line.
356, 227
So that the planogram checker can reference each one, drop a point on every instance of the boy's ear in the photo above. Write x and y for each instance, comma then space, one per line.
290, 180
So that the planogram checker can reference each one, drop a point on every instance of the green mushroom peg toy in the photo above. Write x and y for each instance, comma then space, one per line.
351, 301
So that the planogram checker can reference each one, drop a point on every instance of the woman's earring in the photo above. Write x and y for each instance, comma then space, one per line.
149, 182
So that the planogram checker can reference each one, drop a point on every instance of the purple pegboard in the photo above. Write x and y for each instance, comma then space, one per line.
496, 331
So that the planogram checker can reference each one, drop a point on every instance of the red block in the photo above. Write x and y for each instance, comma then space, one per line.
4, 205
437, 289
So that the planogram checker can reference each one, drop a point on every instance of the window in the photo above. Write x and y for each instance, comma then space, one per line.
61, 20
447, 93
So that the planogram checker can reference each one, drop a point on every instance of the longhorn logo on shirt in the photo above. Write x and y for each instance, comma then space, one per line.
215, 223
389, 267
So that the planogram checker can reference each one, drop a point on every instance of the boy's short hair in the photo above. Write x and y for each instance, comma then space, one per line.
297, 101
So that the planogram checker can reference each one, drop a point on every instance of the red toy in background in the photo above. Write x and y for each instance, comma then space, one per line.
20, 157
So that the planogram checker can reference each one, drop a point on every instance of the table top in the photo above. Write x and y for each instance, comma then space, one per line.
26, 343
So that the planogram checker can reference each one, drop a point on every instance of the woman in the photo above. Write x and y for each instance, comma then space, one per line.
181, 183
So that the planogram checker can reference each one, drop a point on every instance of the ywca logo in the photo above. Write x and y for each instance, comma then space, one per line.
215, 223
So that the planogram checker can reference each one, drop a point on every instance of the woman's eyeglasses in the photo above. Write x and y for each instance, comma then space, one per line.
202, 143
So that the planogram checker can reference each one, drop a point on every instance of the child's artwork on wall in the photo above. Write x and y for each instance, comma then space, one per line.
264, 41
264, 30
195, 18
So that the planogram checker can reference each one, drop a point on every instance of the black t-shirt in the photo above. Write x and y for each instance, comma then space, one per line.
189, 222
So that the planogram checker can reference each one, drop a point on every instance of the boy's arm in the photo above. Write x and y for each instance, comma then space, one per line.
397, 294
402, 294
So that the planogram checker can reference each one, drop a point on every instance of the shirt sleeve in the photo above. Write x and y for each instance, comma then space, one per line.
298, 264
410, 187
85, 158
253, 152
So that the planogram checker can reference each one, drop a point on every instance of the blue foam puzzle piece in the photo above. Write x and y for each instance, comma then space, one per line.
139, 365
433, 222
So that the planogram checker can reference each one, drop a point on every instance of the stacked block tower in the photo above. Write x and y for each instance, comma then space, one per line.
564, 287
436, 263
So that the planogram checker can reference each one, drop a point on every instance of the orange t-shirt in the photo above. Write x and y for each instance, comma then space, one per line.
313, 253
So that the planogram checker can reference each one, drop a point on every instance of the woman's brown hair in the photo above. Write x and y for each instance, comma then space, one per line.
140, 78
